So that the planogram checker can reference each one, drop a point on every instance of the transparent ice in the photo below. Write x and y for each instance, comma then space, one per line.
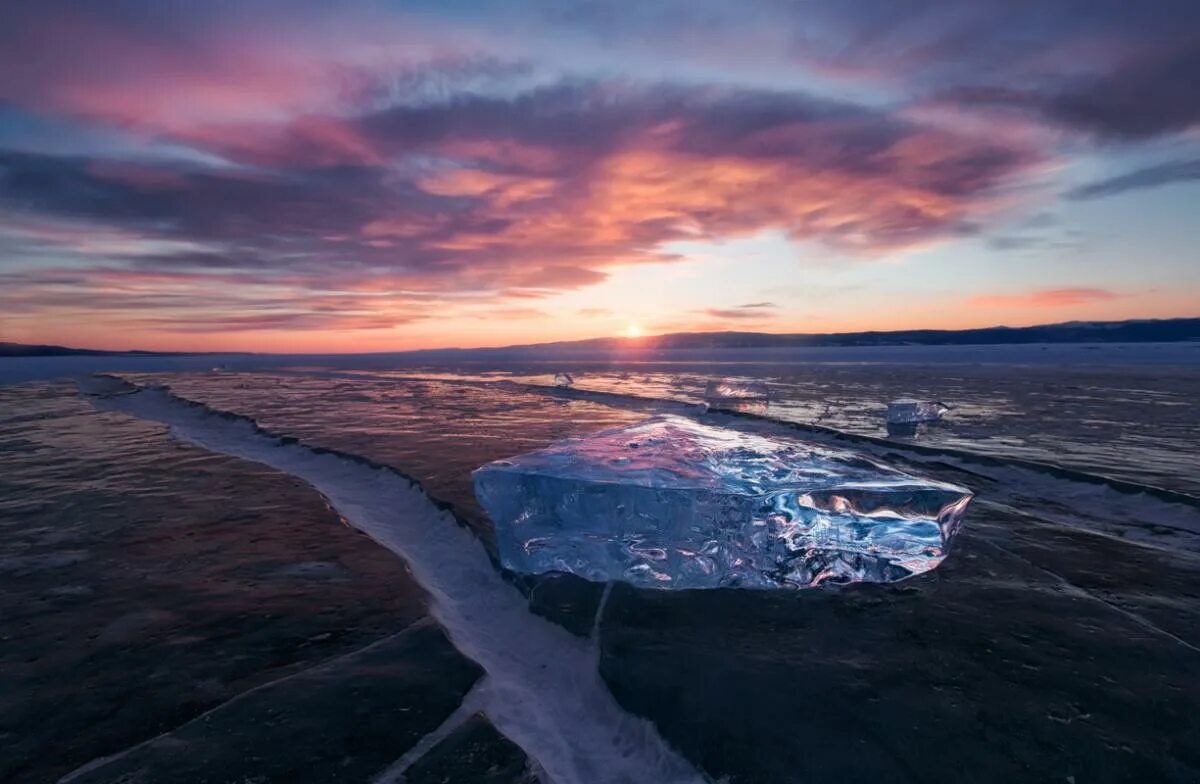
563, 380
673, 503
751, 397
907, 412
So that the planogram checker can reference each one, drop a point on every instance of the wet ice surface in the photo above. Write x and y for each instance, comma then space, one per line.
1131, 422
673, 503
1132, 419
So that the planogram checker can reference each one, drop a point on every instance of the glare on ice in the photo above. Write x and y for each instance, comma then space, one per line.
674, 503
729, 394
908, 412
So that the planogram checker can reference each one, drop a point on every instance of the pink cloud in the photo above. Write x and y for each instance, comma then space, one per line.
606, 175
333, 178
177, 73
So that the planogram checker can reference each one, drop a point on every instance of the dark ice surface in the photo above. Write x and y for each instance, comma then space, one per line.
1031, 654
146, 582
435, 431
474, 753
1133, 422
1058, 641
1038, 651
339, 721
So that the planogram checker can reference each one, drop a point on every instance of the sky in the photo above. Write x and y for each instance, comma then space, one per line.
374, 176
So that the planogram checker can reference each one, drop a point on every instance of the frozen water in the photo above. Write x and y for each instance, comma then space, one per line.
728, 394
907, 412
563, 380
911, 431
673, 503
732, 389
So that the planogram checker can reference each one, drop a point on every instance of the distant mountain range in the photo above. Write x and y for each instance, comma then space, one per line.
1133, 331
27, 350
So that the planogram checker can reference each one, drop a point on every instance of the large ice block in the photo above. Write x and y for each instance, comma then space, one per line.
673, 503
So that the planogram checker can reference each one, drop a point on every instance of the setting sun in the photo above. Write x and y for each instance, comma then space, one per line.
632, 331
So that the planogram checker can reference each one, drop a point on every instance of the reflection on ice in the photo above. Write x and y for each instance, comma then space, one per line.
733, 389
914, 431
906, 411
672, 503
747, 397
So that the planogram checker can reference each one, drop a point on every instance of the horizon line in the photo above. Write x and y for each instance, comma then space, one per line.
634, 343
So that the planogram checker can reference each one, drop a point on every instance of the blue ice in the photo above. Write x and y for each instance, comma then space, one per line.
674, 503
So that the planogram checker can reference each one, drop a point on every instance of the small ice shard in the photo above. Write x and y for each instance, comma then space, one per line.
907, 412
751, 397
673, 503
563, 380
733, 389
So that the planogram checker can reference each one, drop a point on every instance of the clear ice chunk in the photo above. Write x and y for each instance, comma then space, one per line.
673, 503
751, 397
563, 380
908, 412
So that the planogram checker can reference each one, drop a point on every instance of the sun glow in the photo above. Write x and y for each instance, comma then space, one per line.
632, 331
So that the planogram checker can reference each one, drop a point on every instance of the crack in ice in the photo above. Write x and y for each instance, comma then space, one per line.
543, 688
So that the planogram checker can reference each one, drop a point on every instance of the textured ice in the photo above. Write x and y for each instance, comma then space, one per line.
673, 503
733, 395
907, 412
732, 389
563, 380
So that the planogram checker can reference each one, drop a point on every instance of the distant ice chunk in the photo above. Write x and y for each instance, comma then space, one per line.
751, 397
906, 411
672, 503
563, 380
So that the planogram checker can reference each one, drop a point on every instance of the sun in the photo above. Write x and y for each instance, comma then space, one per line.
632, 331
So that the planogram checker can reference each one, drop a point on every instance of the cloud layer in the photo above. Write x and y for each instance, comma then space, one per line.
314, 167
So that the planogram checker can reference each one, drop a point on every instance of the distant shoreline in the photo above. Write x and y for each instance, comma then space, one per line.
1176, 330
18, 350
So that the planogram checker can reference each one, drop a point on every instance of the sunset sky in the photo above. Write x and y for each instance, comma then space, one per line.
369, 176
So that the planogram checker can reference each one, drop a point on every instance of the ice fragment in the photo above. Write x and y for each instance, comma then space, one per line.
906, 411
673, 503
751, 397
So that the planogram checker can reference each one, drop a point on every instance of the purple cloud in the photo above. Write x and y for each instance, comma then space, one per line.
326, 164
